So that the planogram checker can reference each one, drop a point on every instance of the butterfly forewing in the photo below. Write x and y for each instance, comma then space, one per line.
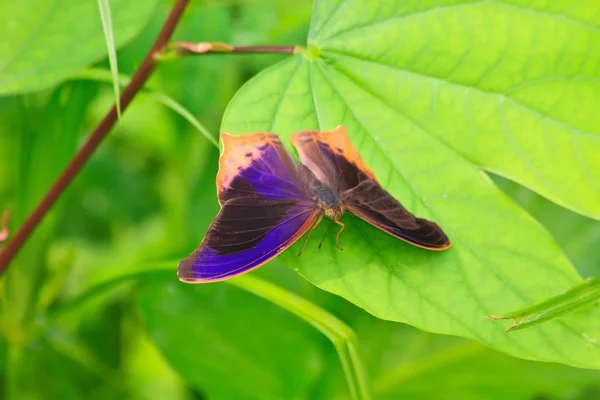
257, 166
331, 158
265, 207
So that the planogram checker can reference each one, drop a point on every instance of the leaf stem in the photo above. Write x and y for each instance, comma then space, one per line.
83, 155
188, 48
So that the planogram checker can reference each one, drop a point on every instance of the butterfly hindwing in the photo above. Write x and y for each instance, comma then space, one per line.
265, 207
246, 234
370, 202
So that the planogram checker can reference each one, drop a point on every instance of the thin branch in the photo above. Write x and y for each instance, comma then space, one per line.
188, 48
137, 82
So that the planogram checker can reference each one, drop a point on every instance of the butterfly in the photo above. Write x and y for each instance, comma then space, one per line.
268, 202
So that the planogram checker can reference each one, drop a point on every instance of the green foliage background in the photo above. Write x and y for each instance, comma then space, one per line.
88, 313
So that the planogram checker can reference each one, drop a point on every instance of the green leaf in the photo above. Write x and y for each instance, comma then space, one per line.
577, 235
41, 52
205, 330
101, 75
33, 169
342, 337
428, 104
578, 297
107, 27
405, 361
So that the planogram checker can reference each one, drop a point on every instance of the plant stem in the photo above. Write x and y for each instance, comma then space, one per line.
189, 48
83, 155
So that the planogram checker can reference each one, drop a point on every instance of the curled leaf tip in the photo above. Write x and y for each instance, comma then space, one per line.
583, 294
514, 326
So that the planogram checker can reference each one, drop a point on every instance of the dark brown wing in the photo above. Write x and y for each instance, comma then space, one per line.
331, 158
372, 203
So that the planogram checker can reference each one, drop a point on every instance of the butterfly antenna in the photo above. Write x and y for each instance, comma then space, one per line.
326, 232
337, 237
312, 228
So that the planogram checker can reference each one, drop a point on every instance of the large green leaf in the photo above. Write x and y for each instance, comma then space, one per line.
430, 93
215, 337
577, 235
46, 41
404, 362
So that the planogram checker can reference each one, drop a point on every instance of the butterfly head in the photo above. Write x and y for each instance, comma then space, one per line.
330, 204
333, 211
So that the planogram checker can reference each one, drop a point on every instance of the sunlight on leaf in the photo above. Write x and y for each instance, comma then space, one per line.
105, 15
426, 116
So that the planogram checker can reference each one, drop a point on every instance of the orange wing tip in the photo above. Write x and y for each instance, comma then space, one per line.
248, 138
444, 247
431, 248
340, 129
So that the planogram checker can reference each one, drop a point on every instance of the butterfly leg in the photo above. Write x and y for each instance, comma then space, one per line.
325, 235
337, 237
312, 228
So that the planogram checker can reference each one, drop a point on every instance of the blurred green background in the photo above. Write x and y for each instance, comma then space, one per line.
148, 194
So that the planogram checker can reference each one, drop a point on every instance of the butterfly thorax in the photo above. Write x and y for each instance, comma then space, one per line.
329, 202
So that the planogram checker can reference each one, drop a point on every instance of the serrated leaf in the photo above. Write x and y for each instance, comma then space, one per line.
51, 40
387, 72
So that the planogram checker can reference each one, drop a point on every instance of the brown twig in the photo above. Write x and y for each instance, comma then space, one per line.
188, 48
139, 78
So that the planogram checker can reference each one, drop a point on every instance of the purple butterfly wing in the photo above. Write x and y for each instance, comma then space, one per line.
265, 208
